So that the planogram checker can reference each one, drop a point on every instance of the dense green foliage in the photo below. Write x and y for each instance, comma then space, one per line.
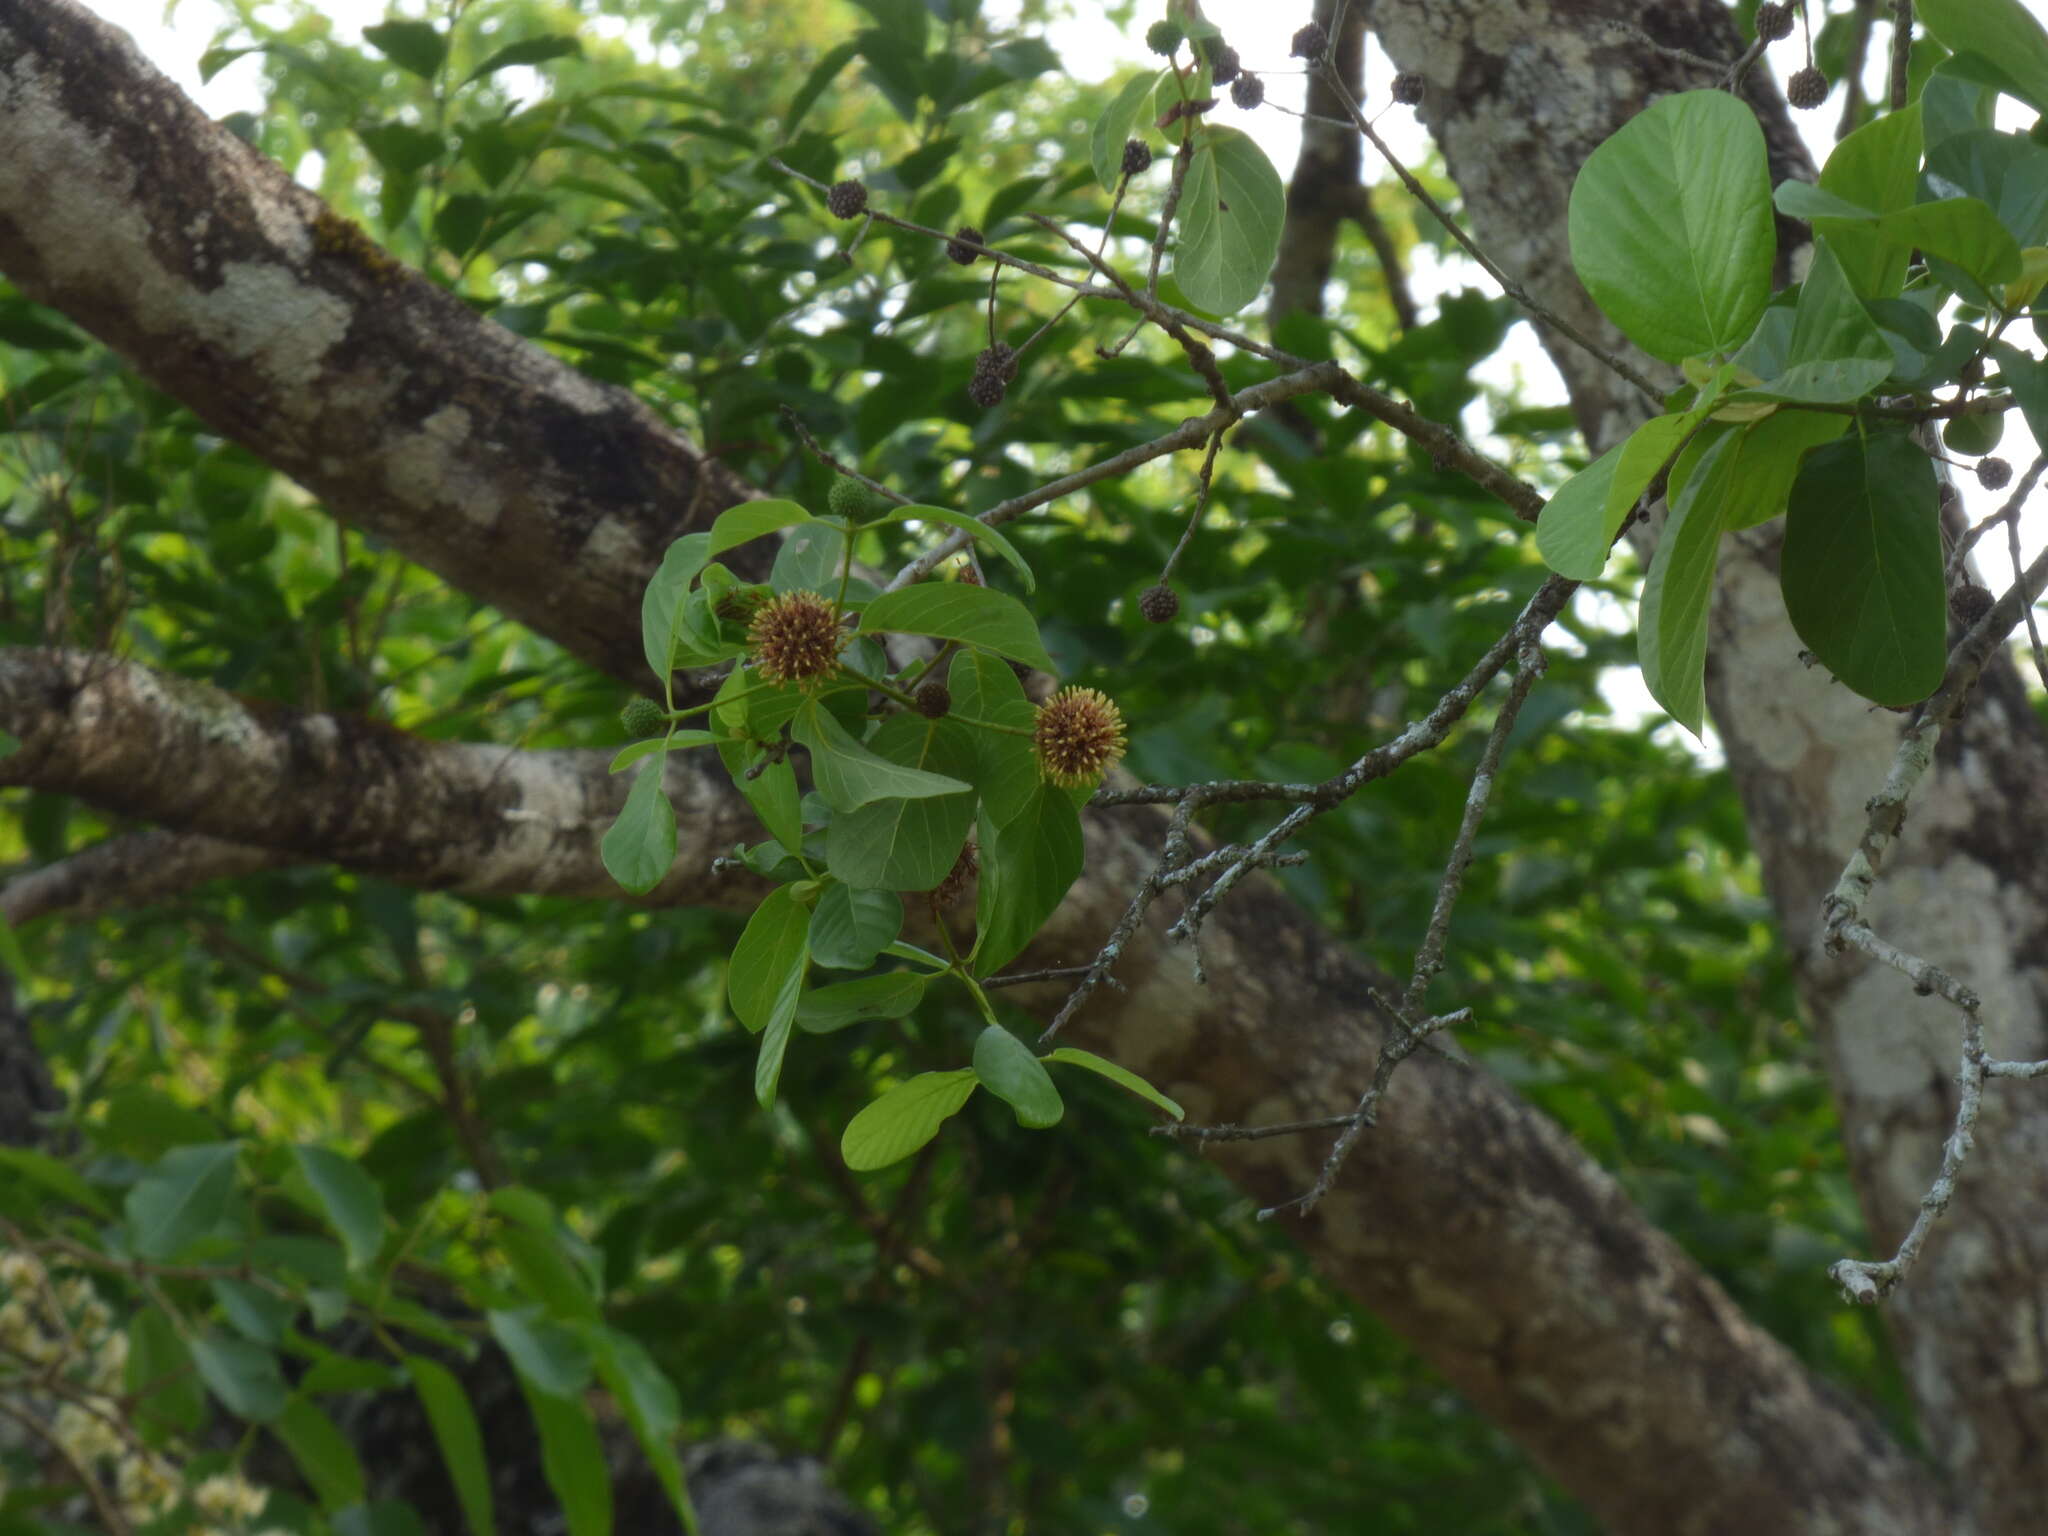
556, 1116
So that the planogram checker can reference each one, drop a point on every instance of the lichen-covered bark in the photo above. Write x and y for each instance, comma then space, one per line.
1472, 1222
1520, 92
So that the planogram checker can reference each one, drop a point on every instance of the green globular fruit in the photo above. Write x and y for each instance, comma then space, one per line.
1163, 38
1807, 88
1773, 21
934, 699
847, 200
1159, 603
1408, 88
1248, 92
1973, 435
1994, 474
1310, 43
643, 717
957, 248
1137, 157
855, 502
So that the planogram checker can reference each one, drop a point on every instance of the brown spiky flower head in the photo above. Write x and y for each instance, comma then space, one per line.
1078, 736
796, 638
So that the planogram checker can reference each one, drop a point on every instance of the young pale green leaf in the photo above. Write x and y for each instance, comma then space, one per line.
973, 527
1862, 567
904, 1118
1123, 1077
661, 605
455, 1429
527, 51
893, 996
767, 968
1004, 1065
549, 1357
1572, 534
1835, 351
243, 1376
640, 846
648, 1400
182, 1198
1670, 225
1231, 211
1027, 866
681, 741
350, 1197
849, 927
1648, 449
2000, 32
1750, 471
572, 1459
1671, 627
1876, 167
750, 520
774, 1046
323, 1453
158, 1376
953, 610
1118, 124
417, 46
850, 776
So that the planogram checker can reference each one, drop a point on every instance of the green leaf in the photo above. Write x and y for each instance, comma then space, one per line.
242, 1375
750, 520
1750, 471
1952, 102
528, 50
680, 741
1671, 628
822, 74
649, 1403
461, 1441
59, 1178
1572, 533
258, 1315
974, 527
809, 559
182, 1198
1116, 127
661, 606
1231, 212
415, 45
572, 1459
849, 776
1005, 769
545, 1271
768, 1059
893, 996
1027, 866
905, 1118
2005, 170
1962, 230
767, 968
2027, 377
323, 1453
159, 1377
1862, 567
1876, 167
1004, 1065
1123, 1077
1999, 31
350, 1197
773, 794
640, 847
849, 928
954, 610
549, 1357
1670, 225
401, 149
1835, 351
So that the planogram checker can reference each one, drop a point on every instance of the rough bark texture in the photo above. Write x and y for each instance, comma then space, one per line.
1471, 1222
1519, 93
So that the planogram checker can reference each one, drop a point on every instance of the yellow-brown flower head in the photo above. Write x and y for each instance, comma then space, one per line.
796, 638
1078, 737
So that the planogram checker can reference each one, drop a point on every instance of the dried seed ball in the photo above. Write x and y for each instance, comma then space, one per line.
855, 502
1969, 603
1163, 37
954, 886
1408, 88
933, 699
847, 200
741, 604
1078, 737
958, 250
1248, 92
1159, 604
986, 390
1310, 43
994, 367
1137, 157
642, 717
970, 575
1223, 62
1807, 88
796, 638
1773, 21
1994, 474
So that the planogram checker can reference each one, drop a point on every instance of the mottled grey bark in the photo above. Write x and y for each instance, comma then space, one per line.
1520, 92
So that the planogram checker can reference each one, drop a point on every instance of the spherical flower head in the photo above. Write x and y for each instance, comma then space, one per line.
796, 638
1078, 737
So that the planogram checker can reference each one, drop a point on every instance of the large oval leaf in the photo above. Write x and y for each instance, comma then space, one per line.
954, 610
904, 1118
1231, 211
